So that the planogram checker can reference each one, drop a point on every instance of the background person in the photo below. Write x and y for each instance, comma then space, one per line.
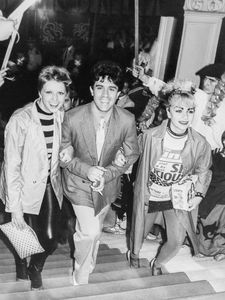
209, 121
211, 225
31, 178
34, 56
210, 110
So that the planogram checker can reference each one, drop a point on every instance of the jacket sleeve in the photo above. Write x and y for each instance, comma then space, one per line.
75, 166
202, 169
15, 134
131, 152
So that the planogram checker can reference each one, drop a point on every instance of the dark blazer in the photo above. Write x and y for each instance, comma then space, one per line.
78, 131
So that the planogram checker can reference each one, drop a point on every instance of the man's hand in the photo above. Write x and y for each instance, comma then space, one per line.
137, 71
98, 186
194, 202
18, 220
96, 173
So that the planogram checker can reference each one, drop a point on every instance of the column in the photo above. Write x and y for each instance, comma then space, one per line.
164, 40
202, 23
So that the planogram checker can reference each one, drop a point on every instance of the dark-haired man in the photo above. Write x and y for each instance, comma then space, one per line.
91, 179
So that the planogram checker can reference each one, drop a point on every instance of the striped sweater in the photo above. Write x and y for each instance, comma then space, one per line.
47, 123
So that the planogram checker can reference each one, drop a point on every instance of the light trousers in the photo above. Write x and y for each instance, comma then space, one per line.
86, 240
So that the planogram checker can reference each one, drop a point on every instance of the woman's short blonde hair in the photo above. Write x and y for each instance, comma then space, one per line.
183, 97
59, 74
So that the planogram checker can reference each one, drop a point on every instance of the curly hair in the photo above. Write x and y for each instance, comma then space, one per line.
108, 69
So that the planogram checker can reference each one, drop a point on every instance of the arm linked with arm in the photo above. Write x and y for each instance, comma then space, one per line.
131, 153
75, 166
202, 169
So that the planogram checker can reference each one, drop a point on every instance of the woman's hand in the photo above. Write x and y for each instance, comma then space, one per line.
18, 220
66, 155
194, 202
120, 159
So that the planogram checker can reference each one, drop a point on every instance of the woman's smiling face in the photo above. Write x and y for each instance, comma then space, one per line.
52, 95
181, 112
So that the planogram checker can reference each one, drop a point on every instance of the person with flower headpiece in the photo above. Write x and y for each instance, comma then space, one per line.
174, 158
209, 121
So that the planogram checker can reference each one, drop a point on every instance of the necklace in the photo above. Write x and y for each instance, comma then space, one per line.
171, 132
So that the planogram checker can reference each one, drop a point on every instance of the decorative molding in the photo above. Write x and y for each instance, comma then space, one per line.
205, 5
81, 31
51, 31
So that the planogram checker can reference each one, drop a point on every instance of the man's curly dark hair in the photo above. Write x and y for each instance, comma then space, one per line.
108, 69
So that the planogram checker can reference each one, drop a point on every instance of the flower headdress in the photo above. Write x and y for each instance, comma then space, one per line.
178, 87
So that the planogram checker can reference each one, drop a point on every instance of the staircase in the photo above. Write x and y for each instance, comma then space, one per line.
111, 280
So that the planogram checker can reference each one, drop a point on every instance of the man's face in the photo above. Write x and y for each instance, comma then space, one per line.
52, 95
209, 84
105, 94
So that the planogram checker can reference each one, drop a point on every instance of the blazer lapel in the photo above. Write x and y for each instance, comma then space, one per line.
89, 135
111, 133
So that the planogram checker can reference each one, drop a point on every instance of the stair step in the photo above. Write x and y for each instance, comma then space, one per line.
217, 296
210, 262
62, 248
68, 264
102, 246
66, 290
56, 271
155, 293
132, 289
63, 280
112, 278
54, 262
215, 276
101, 252
58, 255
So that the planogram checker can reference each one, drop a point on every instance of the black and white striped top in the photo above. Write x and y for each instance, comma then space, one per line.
47, 123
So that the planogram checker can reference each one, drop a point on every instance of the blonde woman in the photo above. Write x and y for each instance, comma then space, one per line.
31, 179
169, 153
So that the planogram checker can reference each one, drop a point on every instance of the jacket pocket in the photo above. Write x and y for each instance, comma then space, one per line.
77, 183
